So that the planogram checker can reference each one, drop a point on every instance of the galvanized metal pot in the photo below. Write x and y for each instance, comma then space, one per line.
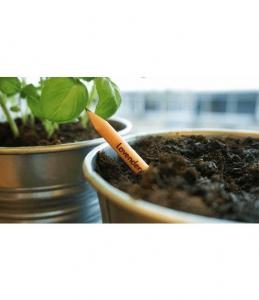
45, 184
119, 207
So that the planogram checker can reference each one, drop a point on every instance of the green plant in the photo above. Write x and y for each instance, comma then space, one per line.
57, 100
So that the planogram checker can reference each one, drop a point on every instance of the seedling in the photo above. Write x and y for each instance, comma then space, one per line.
56, 100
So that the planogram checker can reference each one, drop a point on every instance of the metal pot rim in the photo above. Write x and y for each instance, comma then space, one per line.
64, 147
139, 205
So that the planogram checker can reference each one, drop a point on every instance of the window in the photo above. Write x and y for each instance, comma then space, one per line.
211, 103
152, 102
218, 103
246, 103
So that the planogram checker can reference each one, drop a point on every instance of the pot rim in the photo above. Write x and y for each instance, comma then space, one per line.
67, 146
159, 213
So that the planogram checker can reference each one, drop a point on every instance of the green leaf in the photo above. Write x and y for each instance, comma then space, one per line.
63, 99
109, 97
10, 85
30, 92
15, 108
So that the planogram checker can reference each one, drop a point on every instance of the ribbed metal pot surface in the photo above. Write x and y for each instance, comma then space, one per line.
46, 184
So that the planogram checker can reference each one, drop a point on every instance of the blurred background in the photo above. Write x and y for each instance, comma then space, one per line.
156, 104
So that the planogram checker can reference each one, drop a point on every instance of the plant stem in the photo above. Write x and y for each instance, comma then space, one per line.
84, 119
50, 127
9, 118
92, 96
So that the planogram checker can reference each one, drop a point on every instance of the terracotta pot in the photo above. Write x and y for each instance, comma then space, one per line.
45, 184
119, 207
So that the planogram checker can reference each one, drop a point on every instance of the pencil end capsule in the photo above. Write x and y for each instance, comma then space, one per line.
124, 150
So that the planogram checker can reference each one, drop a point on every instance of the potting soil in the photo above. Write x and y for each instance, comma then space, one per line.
37, 136
210, 176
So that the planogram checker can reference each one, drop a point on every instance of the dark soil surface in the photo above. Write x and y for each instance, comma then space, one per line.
67, 133
215, 177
